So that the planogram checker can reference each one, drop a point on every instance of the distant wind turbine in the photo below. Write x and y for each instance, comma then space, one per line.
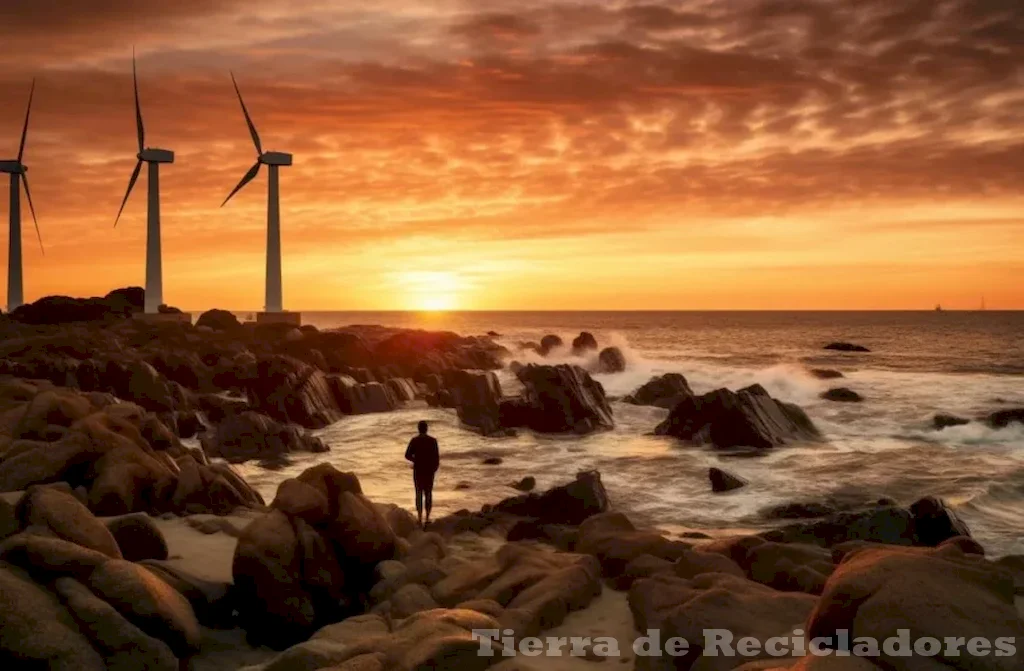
275, 160
19, 174
154, 157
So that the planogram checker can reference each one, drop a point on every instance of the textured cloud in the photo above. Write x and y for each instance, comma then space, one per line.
533, 120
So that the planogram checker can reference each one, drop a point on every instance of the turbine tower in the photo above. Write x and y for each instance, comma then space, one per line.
273, 159
153, 157
19, 175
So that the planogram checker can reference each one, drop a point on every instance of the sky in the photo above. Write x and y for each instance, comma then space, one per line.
531, 154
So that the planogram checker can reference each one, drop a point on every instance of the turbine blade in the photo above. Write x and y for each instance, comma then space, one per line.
249, 176
138, 108
248, 119
28, 111
131, 185
32, 208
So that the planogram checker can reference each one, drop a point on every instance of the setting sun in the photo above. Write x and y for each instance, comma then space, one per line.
430, 291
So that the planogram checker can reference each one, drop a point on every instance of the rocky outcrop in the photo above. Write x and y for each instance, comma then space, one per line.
558, 399
1003, 418
359, 398
724, 481
664, 391
583, 343
52, 310
611, 360
940, 422
289, 390
218, 320
477, 400
307, 562
548, 344
842, 395
846, 347
747, 418
249, 436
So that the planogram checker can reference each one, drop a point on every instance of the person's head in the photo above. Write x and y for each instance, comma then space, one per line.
422, 426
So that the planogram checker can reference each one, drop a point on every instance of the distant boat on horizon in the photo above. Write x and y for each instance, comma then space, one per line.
938, 308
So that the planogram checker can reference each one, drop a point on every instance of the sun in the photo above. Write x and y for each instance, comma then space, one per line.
430, 291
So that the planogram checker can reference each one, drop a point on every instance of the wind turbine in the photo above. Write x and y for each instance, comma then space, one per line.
274, 159
19, 174
154, 157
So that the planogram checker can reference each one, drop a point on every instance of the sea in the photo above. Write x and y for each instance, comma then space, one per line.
967, 364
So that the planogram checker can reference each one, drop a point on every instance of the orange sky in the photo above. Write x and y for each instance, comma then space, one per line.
536, 154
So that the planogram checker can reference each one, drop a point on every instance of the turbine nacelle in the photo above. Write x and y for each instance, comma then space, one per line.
275, 158
156, 155
16, 167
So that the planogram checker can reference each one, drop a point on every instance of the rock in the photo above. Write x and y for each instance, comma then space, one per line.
571, 503
47, 462
291, 391
559, 399
361, 532
219, 320
1003, 418
332, 483
549, 343
51, 408
723, 481
357, 398
46, 557
846, 347
875, 592
941, 422
297, 499
825, 373
37, 632
842, 395
693, 563
611, 360
124, 646
138, 537
584, 343
527, 484
789, 567
149, 603
148, 388
213, 602
665, 391
492, 461
934, 522
546, 603
476, 396
615, 542
52, 310
409, 599
9, 522
64, 516
249, 435
747, 418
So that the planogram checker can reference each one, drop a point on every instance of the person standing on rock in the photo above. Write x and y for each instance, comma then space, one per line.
425, 458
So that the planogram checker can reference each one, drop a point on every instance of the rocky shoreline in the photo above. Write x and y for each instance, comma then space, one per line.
125, 545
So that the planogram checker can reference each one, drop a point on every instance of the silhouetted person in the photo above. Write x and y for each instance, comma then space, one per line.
425, 458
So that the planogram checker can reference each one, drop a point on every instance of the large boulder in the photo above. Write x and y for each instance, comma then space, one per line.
549, 343
571, 503
477, 398
250, 435
611, 360
664, 391
50, 510
361, 398
842, 395
1003, 418
218, 320
138, 537
615, 542
747, 418
724, 481
583, 343
877, 592
292, 391
559, 399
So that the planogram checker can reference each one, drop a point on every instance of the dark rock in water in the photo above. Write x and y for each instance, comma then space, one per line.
493, 334
724, 481
559, 399
459, 486
566, 504
927, 522
249, 435
1003, 418
492, 461
664, 391
747, 418
292, 391
945, 421
584, 343
846, 347
825, 373
360, 398
514, 367
476, 396
527, 484
842, 395
549, 343
611, 360
219, 320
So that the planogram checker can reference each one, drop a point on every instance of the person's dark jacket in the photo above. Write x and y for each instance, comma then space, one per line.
423, 454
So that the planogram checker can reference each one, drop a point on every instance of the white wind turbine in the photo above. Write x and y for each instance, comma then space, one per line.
19, 174
274, 159
154, 157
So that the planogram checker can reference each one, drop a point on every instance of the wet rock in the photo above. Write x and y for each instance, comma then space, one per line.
47, 558
560, 399
571, 503
9, 522
549, 343
747, 418
289, 390
358, 398
723, 481
1003, 418
213, 602
846, 347
476, 396
492, 461
138, 537
615, 542
664, 391
842, 395
65, 517
249, 435
527, 484
583, 343
295, 498
935, 522
940, 422
825, 374
611, 360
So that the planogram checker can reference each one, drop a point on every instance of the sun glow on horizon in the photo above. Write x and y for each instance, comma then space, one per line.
430, 291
